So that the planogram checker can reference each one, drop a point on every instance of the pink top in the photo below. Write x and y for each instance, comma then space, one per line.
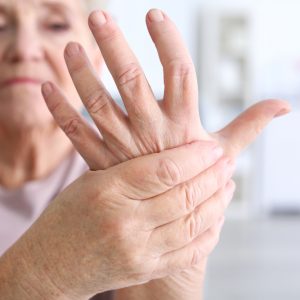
19, 208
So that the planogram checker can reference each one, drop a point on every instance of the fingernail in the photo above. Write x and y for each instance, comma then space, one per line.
225, 162
221, 222
230, 163
218, 151
282, 112
228, 166
98, 18
229, 191
156, 15
230, 186
47, 89
72, 49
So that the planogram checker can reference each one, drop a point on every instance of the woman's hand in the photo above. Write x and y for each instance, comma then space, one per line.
124, 226
150, 126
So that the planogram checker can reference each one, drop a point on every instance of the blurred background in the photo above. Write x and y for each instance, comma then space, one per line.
244, 51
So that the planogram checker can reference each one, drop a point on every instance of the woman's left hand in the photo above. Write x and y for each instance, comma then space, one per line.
150, 126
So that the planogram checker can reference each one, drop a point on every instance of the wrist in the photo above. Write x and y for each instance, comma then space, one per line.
187, 284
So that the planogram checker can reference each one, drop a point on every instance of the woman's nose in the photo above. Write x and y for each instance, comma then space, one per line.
24, 45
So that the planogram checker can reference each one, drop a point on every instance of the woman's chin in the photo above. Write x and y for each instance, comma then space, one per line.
26, 113
23, 108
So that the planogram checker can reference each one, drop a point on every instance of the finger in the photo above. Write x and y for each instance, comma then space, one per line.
179, 73
147, 176
184, 198
127, 73
190, 255
246, 127
180, 233
107, 115
86, 141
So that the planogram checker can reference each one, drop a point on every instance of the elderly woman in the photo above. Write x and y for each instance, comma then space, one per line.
142, 221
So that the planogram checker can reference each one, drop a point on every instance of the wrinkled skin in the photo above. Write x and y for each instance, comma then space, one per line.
140, 220
150, 125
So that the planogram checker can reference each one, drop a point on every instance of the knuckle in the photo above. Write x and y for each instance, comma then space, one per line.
197, 256
130, 73
190, 196
97, 101
168, 172
71, 127
180, 68
136, 266
121, 228
133, 261
93, 198
194, 224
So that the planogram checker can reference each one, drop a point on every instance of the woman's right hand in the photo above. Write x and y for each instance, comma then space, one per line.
134, 222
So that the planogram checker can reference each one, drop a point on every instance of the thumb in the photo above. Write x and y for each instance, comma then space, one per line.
243, 130
150, 175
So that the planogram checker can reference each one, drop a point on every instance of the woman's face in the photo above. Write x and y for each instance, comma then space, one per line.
33, 35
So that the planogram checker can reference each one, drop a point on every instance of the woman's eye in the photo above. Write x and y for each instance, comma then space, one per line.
3, 25
3, 28
58, 27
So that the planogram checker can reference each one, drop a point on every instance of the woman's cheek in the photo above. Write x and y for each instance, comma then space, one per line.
54, 47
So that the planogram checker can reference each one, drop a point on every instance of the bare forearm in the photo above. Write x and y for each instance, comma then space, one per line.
19, 279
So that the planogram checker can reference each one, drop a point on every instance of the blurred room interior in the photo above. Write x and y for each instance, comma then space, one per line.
244, 51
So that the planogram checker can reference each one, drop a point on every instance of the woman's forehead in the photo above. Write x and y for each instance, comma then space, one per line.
68, 5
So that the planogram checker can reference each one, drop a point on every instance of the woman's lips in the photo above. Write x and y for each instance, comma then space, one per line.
21, 80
